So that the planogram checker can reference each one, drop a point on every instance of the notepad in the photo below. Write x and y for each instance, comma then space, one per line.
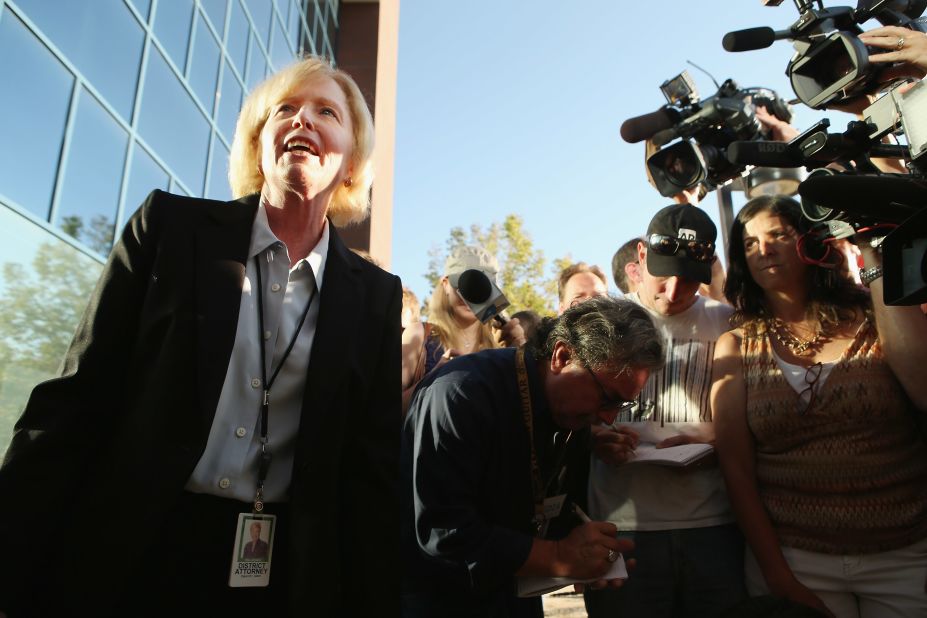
536, 586
681, 455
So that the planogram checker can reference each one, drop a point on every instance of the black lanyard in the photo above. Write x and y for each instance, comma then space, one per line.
266, 384
538, 487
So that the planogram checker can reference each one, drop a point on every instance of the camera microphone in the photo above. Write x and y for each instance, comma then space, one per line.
764, 154
482, 296
643, 127
752, 38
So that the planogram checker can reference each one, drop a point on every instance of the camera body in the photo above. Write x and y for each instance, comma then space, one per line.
831, 65
704, 129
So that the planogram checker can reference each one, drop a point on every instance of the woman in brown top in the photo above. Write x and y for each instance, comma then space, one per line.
817, 398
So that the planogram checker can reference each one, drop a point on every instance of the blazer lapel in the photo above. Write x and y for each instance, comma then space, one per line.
341, 298
221, 255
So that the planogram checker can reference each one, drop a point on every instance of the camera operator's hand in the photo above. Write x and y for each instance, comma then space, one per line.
511, 334
779, 130
907, 49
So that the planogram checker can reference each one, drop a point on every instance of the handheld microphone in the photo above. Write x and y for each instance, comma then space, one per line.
752, 38
485, 300
639, 128
764, 154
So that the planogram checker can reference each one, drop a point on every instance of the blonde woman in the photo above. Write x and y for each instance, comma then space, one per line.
452, 329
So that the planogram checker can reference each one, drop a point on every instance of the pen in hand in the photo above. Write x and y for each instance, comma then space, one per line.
581, 514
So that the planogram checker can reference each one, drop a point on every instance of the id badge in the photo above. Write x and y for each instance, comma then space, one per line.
553, 506
254, 544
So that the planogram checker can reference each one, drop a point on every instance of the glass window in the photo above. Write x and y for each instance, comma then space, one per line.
44, 287
177, 189
143, 7
204, 71
257, 65
33, 110
219, 188
215, 10
172, 27
229, 103
144, 176
312, 11
260, 14
101, 38
331, 26
92, 175
172, 125
280, 54
295, 25
237, 40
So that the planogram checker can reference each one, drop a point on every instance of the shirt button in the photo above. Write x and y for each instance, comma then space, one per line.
275, 287
225, 483
241, 432
255, 383
266, 335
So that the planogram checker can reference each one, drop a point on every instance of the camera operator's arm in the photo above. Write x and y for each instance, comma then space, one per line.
907, 50
902, 333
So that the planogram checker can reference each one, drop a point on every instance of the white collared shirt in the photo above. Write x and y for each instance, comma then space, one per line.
229, 465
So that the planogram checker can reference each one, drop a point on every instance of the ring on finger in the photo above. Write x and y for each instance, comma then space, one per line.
900, 44
612, 555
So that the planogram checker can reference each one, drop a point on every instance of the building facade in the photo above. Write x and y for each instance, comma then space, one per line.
102, 101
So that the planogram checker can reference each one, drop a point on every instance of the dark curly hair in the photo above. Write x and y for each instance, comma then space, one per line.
603, 332
832, 298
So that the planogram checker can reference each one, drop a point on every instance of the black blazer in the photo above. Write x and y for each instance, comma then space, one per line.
120, 432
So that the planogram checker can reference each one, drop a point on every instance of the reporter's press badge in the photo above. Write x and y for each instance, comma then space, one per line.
254, 544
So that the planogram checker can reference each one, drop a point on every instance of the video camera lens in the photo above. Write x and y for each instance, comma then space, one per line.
816, 212
677, 167
832, 71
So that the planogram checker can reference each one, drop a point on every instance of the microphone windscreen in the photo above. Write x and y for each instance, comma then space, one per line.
884, 198
749, 39
639, 128
763, 154
474, 286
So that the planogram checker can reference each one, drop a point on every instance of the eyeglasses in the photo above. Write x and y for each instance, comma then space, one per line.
697, 250
808, 396
610, 403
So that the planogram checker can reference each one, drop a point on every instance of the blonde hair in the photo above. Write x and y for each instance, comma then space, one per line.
350, 204
444, 326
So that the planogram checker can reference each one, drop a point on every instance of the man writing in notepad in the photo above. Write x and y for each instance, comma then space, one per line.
689, 552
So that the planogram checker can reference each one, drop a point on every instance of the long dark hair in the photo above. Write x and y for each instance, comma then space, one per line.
831, 296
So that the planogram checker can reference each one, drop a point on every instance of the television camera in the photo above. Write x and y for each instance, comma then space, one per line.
846, 193
704, 128
831, 65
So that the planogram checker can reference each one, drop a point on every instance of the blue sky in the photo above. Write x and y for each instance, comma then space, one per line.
514, 106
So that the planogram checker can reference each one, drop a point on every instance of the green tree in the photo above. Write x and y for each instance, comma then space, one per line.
521, 265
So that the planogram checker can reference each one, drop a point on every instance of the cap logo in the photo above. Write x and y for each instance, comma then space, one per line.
686, 234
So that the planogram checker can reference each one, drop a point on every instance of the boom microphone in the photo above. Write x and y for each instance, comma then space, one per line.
639, 128
753, 38
764, 154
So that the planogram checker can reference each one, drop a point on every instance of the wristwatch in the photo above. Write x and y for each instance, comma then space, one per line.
870, 274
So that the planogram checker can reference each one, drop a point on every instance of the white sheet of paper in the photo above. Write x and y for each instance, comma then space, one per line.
536, 586
653, 432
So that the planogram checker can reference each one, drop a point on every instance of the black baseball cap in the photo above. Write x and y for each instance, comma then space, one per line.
685, 222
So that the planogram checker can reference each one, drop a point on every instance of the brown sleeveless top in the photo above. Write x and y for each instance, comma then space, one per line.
850, 474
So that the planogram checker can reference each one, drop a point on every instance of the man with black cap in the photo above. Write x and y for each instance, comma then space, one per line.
689, 551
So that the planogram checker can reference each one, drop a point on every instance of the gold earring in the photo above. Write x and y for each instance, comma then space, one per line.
348, 182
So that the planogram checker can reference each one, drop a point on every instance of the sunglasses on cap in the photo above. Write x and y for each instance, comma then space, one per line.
696, 250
